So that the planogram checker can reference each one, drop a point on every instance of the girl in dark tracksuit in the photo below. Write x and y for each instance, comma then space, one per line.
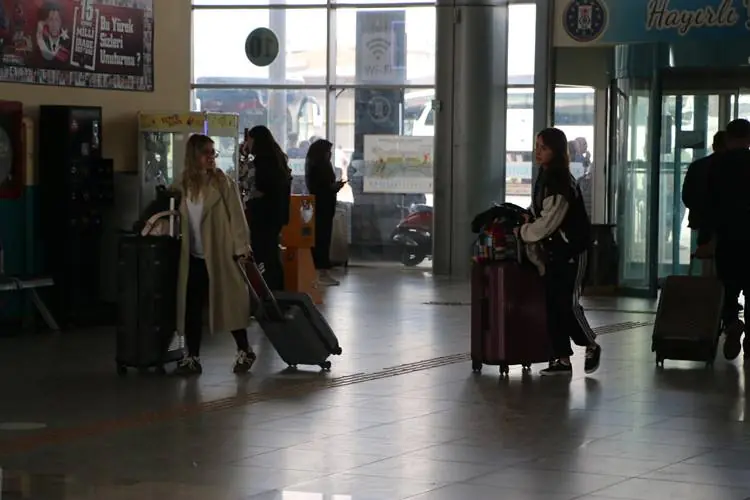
561, 225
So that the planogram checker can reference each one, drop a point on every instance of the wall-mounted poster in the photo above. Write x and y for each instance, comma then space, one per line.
104, 44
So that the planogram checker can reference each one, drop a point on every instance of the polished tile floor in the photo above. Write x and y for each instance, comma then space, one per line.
399, 416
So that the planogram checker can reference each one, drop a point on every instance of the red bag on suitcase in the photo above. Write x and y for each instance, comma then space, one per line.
508, 316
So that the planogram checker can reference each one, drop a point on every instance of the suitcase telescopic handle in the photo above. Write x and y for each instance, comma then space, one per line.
264, 297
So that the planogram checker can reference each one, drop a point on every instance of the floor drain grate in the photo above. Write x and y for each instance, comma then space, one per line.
621, 327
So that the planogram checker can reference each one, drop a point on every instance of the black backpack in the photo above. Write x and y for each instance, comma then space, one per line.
573, 237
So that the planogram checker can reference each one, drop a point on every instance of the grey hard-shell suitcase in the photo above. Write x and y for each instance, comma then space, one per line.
296, 328
339, 251
688, 319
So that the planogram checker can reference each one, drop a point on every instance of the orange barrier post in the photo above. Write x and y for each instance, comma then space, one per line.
297, 238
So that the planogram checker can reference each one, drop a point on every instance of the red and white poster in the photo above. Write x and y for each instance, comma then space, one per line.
106, 44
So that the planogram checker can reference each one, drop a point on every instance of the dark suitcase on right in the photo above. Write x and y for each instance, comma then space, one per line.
147, 302
688, 319
508, 316
313, 315
291, 321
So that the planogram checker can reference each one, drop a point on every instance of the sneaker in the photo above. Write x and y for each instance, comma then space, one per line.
557, 367
733, 336
593, 357
325, 279
188, 366
244, 362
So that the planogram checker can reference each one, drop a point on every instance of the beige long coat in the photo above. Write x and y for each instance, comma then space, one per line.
225, 234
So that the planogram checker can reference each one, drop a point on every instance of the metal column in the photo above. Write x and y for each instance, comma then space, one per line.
543, 69
446, 17
471, 82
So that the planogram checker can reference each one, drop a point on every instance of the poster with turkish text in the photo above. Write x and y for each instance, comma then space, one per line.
104, 44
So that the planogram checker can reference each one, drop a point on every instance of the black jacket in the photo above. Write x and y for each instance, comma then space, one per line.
728, 208
508, 213
270, 211
695, 190
320, 180
562, 223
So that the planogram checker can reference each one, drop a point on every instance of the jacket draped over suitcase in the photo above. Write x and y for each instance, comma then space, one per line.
225, 233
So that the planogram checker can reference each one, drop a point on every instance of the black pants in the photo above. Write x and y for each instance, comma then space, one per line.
565, 317
321, 252
197, 296
265, 242
733, 269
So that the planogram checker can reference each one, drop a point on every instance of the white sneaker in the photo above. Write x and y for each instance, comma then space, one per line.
325, 279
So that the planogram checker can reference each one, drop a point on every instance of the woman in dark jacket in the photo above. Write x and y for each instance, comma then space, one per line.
320, 179
562, 226
268, 206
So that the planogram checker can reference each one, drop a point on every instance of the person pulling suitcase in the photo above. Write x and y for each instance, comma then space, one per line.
212, 216
563, 228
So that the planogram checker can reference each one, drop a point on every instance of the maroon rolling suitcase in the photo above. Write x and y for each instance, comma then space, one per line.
508, 316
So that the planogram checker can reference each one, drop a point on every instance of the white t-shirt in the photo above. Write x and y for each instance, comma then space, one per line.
195, 215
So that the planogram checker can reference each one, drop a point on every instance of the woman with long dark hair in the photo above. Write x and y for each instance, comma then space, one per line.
561, 225
268, 207
320, 179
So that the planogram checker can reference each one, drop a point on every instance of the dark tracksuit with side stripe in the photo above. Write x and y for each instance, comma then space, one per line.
562, 225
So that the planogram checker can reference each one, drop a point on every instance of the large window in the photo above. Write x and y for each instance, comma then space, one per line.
521, 43
519, 137
385, 46
221, 60
373, 76
574, 114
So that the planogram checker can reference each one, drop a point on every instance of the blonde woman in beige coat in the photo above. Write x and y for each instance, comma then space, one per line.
215, 233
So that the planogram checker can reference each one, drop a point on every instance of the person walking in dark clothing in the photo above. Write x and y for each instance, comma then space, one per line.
695, 187
562, 226
320, 178
268, 206
727, 222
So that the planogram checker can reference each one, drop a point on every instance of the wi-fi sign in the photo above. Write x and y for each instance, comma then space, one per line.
378, 47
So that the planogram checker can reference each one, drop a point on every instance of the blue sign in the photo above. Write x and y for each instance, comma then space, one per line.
632, 21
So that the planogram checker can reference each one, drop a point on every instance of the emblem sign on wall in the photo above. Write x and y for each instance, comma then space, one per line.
640, 21
105, 44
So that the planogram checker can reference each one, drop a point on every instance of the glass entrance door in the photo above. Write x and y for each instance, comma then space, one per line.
629, 180
659, 127
689, 122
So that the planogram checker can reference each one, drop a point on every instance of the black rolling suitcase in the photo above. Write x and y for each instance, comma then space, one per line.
296, 328
688, 319
148, 267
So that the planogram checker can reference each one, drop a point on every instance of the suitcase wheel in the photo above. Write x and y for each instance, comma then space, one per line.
122, 370
338, 351
526, 367
476, 366
325, 366
504, 369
